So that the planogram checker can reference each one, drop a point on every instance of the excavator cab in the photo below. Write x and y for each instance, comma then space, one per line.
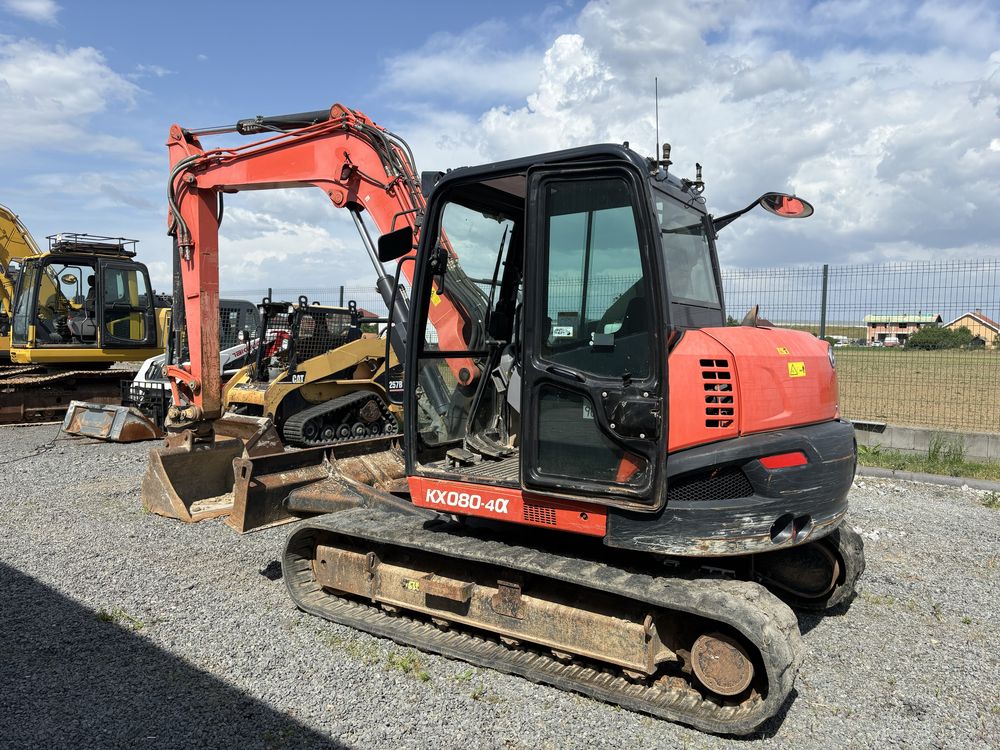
587, 285
85, 300
561, 389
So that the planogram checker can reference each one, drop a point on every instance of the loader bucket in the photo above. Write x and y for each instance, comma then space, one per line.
117, 424
263, 482
190, 481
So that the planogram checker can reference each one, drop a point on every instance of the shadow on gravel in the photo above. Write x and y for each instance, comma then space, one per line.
809, 620
69, 679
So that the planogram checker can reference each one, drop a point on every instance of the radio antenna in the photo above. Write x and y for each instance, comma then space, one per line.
656, 97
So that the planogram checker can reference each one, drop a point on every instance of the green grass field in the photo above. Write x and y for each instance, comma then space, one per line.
951, 389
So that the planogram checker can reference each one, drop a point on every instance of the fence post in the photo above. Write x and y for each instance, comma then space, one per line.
822, 303
341, 303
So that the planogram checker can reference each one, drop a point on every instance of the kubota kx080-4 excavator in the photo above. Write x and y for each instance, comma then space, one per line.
606, 446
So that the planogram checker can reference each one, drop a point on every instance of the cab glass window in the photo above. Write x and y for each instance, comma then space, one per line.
126, 299
687, 253
596, 317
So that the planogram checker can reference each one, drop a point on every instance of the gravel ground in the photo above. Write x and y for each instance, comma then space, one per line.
124, 629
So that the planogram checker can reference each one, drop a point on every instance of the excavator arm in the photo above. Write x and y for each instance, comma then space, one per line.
359, 165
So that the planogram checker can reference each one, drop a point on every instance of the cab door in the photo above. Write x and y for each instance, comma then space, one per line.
595, 374
126, 314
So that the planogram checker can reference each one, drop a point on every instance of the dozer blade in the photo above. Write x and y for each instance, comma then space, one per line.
117, 424
191, 481
284, 487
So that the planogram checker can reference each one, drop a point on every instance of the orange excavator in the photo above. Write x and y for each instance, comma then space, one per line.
600, 485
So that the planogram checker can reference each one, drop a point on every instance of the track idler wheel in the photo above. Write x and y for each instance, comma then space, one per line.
816, 576
311, 430
721, 664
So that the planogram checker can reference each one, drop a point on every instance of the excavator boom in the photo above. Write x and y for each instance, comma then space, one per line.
16, 243
357, 164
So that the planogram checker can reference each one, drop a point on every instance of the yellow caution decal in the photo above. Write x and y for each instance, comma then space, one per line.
796, 369
782, 350
435, 298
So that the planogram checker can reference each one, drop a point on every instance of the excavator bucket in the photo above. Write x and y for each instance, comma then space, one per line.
194, 481
117, 424
191, 481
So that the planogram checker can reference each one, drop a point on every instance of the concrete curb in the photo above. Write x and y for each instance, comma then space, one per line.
913, 476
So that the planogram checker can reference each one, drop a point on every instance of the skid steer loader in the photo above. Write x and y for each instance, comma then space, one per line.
326, 384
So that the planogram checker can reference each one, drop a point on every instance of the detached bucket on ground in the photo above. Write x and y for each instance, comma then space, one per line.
117, 424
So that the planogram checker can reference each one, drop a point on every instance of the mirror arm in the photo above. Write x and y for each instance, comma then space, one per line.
724, 221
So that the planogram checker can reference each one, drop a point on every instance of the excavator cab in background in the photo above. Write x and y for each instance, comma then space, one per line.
68, 314
87, 300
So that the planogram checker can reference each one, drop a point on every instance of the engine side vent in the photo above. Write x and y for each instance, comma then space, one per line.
717, 484
535, 513
720, 397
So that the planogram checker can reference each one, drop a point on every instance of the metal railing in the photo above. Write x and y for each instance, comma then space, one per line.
895, 327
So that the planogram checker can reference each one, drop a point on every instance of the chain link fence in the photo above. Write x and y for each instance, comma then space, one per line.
917, 343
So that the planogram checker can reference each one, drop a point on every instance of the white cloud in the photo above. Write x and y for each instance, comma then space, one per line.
150, 71
260, 248
48, 94
42, 11
470, 67
894, 140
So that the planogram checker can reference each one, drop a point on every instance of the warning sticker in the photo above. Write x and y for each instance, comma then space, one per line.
796, 369
782, 350
435, 297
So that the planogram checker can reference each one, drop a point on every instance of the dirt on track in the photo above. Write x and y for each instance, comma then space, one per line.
122, 629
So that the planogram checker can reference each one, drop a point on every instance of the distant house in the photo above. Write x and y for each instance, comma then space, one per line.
984, 330
895, 329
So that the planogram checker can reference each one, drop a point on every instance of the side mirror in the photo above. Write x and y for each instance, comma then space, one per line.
780, 204
395, 244
786, 206
68, 279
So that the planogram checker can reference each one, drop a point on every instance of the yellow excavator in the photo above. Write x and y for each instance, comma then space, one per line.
66, 315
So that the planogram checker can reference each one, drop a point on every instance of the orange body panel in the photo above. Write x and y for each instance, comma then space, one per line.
704, 400
507, 504
738, 380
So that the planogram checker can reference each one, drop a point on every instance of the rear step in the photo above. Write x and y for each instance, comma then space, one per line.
664, 640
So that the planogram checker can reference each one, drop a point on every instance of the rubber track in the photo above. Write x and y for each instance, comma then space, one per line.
292, 429
32, 381
757, 614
